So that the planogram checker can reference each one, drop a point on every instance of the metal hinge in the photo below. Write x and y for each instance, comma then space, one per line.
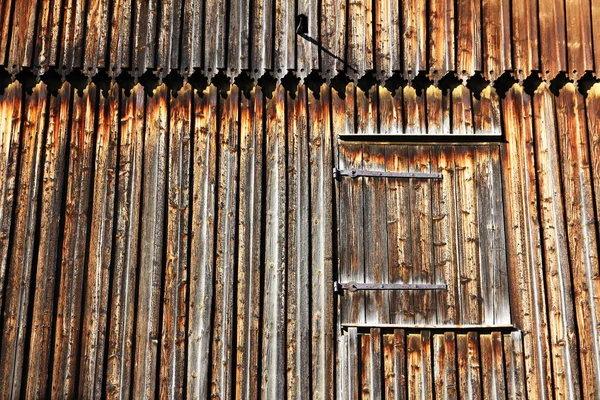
355, 173
354, 286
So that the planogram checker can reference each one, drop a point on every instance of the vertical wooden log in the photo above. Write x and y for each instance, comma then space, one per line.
333, 33
419, 158
261, 44
10, 130
57, 138
322, 242
47, 38
579, 37
468, 38
390, 111
525, 46
375, 234
73, 35
299, 276
414, 25
462, 115
399, 233
20, 268
387, 38
147, 330
444, 215
359, 38
225, 268
22, 34
561, 312
144, 35
307, 58
202, 244
74, 246
582, 231
524, 258
438, 112
174, 315
124, 276
249, 248
273, 358
96, 35
441, 38
553, 49
496, 38
95, 310
467, 235
169, 35
284, 51
414, 112
444, 354
239, 35
515, 379
120, 36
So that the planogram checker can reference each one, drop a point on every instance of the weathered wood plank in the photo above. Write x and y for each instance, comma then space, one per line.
515, 379
96, 36
375, 238
261, 44
496, 38
5, 26
174, 307
168, 36
321, 245
421, 234
595, 15
400, 365
444, 363
144, 35
524, 258
364, 366
525, 45
202, 246
353, 387
561, 312
95, 310
438, 111
468, 38
215, 21
444, 215
359, 38
582, 231
467, 236
468, 365
390, 111
74, 246
441, 38
273, 381
29, 125
333, 34
376, 378
553, 49
351, 234
414, 112
366, 111
248, 280
486, 112
47, 35
192, 33
307, 51
22, 33
419, 368
387, 38
11, 110
399, 233
120, 36
57, 137
580, 55
298, 275
492, 366
73, 34
239, 34
147, 330
284, 37
124, 275
462, 115
414, 35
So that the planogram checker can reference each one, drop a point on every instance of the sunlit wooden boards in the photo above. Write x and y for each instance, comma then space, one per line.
355, 37
432, 231
401, 364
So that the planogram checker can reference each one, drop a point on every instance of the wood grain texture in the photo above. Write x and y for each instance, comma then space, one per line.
20, 269
525, 41
496, 38
468, 37
120, 27
579, 37
95, 54
414, 22
553, 43
22, 33
442, 42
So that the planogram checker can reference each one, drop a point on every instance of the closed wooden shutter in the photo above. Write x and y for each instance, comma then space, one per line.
427, 231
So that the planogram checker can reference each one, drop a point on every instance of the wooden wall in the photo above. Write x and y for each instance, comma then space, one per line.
161, 245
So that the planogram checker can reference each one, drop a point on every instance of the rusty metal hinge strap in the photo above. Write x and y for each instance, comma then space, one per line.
354, 286
355, 173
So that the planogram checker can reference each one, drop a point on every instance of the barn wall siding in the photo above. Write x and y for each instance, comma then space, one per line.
384, 36
185, 245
